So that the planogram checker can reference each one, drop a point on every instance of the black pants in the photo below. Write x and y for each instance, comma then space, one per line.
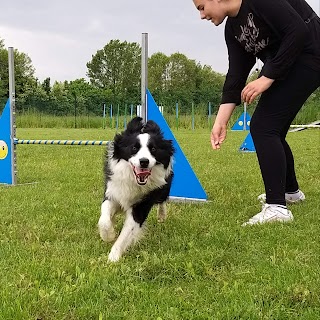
270, 123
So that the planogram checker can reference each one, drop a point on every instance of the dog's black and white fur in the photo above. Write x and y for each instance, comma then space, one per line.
138, 172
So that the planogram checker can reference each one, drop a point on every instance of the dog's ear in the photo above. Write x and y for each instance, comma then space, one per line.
118, 138
135, 125
152, 127
170, 147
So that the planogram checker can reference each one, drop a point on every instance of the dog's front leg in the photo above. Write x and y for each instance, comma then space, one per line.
162, 212
105, 224
130, 232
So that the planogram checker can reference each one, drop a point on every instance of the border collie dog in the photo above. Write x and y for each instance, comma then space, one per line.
138, 172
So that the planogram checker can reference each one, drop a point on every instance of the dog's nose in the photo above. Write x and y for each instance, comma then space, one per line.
144, 162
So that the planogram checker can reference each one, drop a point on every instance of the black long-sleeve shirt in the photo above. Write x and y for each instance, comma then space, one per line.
278, 32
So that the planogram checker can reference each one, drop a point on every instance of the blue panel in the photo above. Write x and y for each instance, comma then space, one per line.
5, 146
248, 145
243, 123
185, 183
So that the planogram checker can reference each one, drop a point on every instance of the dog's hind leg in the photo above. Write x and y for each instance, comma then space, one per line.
162, 212
105, 224
130, 233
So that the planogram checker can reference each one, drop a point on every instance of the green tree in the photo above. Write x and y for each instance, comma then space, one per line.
46, 86
117, 67
89, 98
34, 97
208, 86
24, 72
157, 76
181, 80
60, 103
3, 82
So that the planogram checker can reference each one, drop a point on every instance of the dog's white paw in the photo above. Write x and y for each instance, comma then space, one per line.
107, 233
162, 218
114, 255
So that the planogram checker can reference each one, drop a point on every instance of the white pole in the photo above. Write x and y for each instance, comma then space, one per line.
144, 76
12, 97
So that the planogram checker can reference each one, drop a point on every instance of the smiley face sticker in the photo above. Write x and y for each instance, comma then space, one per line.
3, 150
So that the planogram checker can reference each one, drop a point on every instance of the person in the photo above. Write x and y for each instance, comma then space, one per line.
285, 36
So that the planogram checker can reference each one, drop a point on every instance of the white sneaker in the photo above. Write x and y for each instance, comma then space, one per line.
270, 213
291, 198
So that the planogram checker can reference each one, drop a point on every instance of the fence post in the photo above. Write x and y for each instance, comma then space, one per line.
125, 117
111, 116
131, 111
117, 121
192, 115
209, 115
104, 116
177, 115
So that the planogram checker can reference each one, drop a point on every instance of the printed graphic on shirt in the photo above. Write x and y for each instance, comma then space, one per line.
249, 36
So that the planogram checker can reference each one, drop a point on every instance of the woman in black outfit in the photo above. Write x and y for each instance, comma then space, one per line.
285, 36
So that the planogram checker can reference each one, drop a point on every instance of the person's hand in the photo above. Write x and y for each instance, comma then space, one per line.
218, 135
255, 88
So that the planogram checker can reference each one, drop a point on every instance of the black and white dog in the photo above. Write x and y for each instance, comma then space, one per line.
138, 172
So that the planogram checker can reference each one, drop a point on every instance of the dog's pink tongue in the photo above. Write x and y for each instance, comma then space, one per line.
142, 172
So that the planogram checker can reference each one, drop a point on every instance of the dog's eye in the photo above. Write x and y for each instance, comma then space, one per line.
134, 148
153, 149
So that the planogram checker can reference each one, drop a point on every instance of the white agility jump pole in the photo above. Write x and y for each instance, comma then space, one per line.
305, 126
64, 142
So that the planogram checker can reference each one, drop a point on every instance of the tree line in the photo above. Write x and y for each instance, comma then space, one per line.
114, 75
114, 78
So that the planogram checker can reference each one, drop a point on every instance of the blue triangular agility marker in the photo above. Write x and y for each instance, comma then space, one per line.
185, 185
248, 145
5, 146
243, 123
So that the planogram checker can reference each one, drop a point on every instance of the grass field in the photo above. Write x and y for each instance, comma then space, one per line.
199, 264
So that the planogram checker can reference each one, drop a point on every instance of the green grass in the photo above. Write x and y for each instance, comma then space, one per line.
199, 264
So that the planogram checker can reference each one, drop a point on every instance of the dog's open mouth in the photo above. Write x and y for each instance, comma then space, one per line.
141, 174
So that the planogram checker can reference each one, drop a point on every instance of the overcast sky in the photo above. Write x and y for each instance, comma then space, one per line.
60, 37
